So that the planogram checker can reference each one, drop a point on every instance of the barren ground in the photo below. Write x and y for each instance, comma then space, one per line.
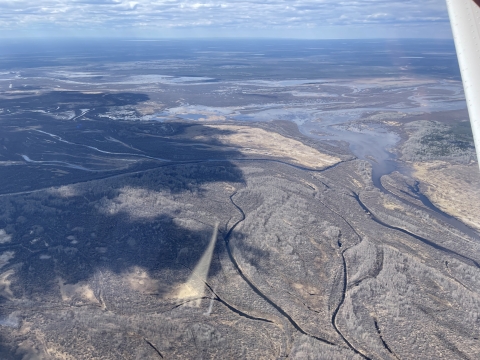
251, 140
453, 188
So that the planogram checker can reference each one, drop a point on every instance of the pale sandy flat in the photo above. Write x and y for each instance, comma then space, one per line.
5, 283
455, 189
5, 257
81, 291
4, 237
138, 279
255, 141
390, 82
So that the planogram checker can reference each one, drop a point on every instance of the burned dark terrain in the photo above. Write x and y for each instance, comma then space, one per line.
158, 208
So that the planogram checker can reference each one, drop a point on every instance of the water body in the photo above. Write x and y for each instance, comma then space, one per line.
373, 146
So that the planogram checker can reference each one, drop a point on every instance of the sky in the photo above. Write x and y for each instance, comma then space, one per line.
310, 19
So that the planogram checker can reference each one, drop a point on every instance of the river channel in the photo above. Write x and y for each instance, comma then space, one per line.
374, 145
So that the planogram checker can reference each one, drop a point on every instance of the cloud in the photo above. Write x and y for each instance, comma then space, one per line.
238, 15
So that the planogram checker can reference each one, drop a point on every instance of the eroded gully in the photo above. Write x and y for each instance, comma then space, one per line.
227, 243
345, 282
450, 252
376, 179
253, 286
433, 209
277, 307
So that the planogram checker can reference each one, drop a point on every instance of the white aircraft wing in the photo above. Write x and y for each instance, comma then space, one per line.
465, 21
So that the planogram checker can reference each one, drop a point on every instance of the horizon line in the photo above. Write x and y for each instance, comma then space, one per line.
160, 39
